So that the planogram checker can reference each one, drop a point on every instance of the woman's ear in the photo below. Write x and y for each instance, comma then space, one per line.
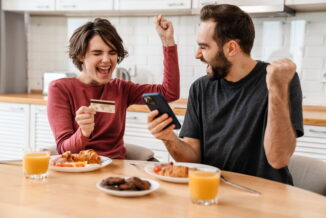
231, 48
81, 59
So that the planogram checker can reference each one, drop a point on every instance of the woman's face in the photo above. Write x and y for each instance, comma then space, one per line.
99, 62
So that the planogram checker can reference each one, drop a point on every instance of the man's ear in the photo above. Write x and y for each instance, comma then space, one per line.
231, 48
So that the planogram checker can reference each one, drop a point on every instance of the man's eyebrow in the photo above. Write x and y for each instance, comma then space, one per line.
202, 44
96, 51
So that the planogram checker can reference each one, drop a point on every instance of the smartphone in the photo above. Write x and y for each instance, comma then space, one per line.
156, 101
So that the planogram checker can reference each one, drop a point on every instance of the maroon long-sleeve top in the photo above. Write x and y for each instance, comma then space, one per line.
67, 95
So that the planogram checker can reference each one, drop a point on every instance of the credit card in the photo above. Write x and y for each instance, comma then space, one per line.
103, 106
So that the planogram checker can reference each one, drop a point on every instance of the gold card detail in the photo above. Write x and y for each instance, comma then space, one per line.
103, 106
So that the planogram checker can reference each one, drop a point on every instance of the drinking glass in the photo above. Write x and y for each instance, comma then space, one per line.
203, 186
35, 163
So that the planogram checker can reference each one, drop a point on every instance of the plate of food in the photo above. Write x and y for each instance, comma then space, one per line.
176, 172
127, 186
85, 161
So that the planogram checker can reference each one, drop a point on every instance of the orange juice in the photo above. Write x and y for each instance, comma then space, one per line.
36, 163
204, 185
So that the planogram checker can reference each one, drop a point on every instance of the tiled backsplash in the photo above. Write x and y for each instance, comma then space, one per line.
301, 38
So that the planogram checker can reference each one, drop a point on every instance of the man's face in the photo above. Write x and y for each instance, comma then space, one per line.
99, 62
208, 52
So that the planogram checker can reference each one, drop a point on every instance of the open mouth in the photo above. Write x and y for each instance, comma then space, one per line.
103, 70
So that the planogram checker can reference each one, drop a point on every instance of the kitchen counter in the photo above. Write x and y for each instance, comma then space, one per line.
179, 106
23, 98
313, 115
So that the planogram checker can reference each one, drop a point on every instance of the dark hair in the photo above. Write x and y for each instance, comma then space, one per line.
231, 24
79, 40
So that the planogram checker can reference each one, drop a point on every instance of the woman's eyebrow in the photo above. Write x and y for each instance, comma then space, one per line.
99, 51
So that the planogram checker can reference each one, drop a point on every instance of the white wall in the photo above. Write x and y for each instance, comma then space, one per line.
46, 47
301, 38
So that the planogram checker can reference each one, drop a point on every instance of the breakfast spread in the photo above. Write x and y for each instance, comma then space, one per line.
122, 184
169, 169
81, 159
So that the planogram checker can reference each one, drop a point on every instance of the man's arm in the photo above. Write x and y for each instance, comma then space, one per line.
280, 136
187, 150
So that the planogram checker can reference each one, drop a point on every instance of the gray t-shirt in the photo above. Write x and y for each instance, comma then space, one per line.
229, 119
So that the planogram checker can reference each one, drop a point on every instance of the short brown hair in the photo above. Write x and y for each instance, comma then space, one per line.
79, 40
231, 24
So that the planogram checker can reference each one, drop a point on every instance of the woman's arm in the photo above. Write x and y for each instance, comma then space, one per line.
170, 87
61, 119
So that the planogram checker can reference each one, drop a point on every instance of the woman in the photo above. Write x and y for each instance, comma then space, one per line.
96, 49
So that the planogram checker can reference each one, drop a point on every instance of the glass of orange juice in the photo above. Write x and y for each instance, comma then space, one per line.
35, 164
203, 186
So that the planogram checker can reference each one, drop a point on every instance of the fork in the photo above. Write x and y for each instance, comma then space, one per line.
239, 186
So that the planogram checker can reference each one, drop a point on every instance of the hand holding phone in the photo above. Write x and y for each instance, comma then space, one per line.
156, 101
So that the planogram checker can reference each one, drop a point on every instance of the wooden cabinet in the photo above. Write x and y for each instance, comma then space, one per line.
306, 5
14, 130
152, 4
28, 5
201, 3
94, 5
55, 6
40, 133
262, 7
137, 133
84, 5
58, 5
25, 125
313, 143
22, 126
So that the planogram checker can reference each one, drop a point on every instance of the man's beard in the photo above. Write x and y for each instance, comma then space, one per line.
220, 67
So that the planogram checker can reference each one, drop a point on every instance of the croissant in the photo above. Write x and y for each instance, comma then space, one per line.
174, 171
87, 155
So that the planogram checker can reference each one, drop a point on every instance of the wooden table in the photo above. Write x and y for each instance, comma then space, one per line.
75, 195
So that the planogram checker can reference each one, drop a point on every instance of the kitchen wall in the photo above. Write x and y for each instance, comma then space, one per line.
301, 38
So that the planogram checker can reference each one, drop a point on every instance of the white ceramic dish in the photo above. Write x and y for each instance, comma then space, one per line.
149, 170
154, 186
90, 167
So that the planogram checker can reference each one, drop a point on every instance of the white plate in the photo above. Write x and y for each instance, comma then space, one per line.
90, 167
154, 186
149, 170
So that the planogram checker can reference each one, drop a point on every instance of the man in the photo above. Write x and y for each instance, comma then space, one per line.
245, 115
